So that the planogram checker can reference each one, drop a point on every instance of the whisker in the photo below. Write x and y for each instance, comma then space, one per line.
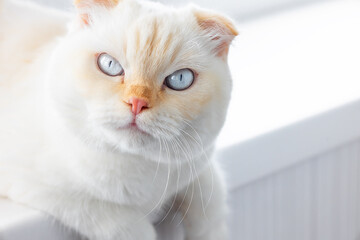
166, 187
197, 177
158, 162
191, 198
177, 185
207, 159
188, 156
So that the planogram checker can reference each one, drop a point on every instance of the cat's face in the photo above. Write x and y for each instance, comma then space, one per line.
138, 77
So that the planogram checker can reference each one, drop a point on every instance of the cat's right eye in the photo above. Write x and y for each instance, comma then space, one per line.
109, 65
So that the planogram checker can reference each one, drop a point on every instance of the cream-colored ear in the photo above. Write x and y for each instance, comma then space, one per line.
220, 29
84, 5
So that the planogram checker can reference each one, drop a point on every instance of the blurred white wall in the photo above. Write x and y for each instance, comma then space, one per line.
242, 9
238, 9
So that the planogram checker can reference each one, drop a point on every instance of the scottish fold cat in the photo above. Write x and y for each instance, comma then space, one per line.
109, 116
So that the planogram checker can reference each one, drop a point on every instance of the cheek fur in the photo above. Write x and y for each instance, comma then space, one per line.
90, 82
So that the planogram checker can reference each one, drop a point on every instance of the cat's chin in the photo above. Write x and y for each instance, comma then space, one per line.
130, 138
132, 128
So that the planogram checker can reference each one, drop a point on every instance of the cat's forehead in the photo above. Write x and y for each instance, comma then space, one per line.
154, 24
147, 13
155, 39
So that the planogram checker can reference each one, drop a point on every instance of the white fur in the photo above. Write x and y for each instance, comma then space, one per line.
56, 154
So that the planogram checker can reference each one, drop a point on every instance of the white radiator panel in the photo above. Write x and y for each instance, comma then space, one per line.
316, 200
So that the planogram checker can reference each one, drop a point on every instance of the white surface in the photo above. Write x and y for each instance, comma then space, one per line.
292, 66
288, 70
285, 147
18, 222
315, 200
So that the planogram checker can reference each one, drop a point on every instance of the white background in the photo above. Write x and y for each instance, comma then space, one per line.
238, 9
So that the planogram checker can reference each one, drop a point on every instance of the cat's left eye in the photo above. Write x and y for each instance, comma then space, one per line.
109, 65
180, 80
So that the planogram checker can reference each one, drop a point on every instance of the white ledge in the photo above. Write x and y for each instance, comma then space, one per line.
295, 74
271, 152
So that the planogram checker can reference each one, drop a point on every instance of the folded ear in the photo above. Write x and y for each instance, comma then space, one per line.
83, 7
219, 29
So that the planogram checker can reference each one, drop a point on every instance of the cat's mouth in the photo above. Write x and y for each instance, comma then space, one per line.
133, 127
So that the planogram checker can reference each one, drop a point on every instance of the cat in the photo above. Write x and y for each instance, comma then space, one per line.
109, 116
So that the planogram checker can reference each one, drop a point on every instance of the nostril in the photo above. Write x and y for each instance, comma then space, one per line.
137, 105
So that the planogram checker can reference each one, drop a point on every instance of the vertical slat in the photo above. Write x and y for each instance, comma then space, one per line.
318, 199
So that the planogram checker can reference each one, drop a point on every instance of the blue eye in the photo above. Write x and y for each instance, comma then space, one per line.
109, 65
180, 80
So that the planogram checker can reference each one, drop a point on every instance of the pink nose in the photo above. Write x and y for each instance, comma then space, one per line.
137, 105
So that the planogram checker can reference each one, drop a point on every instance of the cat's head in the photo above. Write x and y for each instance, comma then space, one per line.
138, 76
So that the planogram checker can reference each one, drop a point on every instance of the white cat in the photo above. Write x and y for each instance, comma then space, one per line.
109, 126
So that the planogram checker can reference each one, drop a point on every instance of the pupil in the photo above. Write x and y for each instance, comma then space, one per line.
110, 63
181, 77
